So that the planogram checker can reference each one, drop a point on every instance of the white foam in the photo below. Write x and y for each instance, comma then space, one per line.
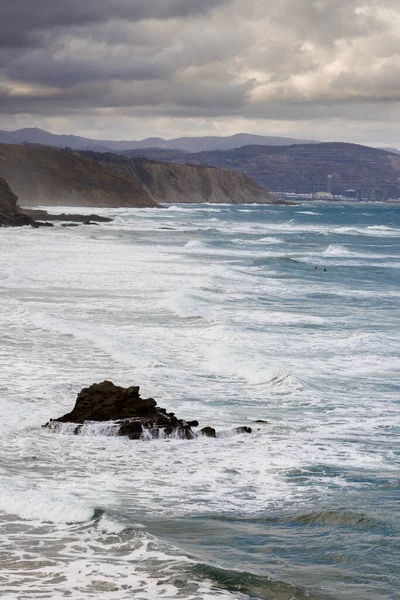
194, 245
218, 336
307, 212
337, 250
47, 505
88, 428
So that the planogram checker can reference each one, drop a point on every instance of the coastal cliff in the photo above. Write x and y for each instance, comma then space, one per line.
44, 176
181, 183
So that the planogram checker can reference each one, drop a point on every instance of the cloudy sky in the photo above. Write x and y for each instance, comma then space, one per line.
128, 69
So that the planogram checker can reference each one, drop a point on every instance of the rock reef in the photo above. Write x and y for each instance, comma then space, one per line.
107, 409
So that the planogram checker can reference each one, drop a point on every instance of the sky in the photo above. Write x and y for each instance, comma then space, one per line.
130, 69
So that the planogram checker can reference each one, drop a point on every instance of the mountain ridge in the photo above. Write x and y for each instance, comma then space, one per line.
189, 144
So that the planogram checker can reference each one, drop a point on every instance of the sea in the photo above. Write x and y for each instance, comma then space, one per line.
281, 318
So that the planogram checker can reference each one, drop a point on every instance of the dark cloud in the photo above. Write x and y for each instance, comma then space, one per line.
24, 16
302, 60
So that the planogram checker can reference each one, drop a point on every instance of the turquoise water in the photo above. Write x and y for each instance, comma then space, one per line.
226, 314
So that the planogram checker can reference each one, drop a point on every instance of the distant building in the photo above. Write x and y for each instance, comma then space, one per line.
367, 195
379, 196
329, 185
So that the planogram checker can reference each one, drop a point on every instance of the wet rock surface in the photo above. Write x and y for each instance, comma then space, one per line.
69, 218
108, 409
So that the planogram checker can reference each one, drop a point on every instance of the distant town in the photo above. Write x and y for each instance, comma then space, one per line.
355, 195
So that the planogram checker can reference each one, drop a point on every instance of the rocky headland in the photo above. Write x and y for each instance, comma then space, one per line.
43, 176
187, 183
107, 409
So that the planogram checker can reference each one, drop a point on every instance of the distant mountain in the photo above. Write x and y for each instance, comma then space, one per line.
305, 168
177, 183
393, 150
45, 176
187, 144
200, 144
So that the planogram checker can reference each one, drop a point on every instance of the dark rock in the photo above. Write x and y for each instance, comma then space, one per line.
261, 421
133, 416
108, 402
70, 218
115, 410
37, 224
131, 428
243, 429
208, 432
70, 225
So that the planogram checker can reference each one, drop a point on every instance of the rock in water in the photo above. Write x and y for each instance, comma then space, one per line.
108, 409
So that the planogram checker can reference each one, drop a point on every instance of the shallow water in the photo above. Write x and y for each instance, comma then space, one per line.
226, 315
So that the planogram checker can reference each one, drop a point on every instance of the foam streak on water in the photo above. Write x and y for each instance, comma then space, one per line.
227, 315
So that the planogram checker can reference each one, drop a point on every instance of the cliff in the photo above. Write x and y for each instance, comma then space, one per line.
44, 176
167, 182
305, 168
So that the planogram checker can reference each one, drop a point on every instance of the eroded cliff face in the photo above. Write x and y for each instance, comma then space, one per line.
170, 182
167, 182
44, 176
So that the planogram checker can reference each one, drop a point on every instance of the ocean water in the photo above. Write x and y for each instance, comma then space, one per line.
228, 315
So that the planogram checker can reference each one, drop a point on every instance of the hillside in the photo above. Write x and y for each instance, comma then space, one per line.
305, 168
41, 176
189, 144
167, 182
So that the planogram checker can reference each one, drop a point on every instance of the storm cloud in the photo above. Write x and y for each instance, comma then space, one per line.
212, 65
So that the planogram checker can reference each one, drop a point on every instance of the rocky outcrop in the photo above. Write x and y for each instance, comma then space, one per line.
171, 183
71, 218
45, 176
122, 412
10, 215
